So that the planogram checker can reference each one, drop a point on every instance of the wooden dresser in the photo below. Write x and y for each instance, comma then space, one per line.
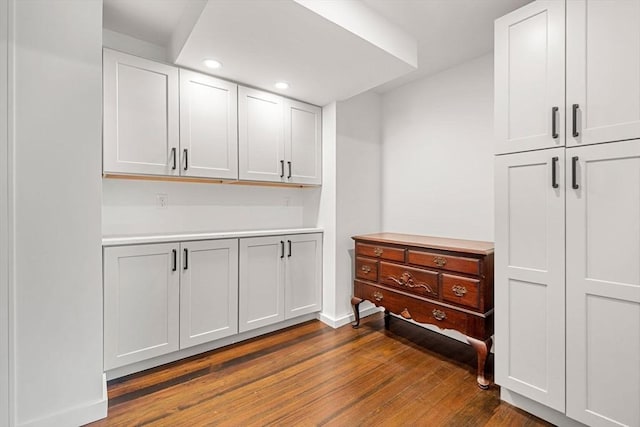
444, 282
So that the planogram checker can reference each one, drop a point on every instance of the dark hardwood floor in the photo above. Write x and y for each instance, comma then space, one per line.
311, 375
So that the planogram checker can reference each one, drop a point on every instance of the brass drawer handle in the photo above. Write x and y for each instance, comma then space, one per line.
439, 314
459, 290
378, 251
377, 296
440, 261
366, 269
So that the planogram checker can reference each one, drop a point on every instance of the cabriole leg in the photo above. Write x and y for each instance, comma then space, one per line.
482, 349
355, 303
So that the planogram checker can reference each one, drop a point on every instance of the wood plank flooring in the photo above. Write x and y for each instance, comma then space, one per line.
313, 375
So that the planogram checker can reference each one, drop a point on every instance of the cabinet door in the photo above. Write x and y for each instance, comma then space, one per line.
208, 291
303, 283
603, 70
529, 275
261, 289
140, 115
261, 154
141, 299
603, 284
208, 126
529, 78
303, 142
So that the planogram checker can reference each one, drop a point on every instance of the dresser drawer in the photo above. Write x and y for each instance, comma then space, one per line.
445, 262
415, 308
367, 269
380, 251
408, 279
461, 290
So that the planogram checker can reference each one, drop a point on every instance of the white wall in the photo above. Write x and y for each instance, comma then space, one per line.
438, 154
358, 176
327, 213
130, 207
350, 195
4, 214
56, 282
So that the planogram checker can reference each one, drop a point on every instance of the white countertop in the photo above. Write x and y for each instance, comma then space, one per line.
181, 237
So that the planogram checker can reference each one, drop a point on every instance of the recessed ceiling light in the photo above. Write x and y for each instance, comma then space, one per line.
282, 85
212, 63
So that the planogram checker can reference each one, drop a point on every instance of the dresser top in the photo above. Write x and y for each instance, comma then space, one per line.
429, 242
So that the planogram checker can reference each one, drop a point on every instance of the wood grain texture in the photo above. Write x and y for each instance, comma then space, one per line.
429, 242
312, 375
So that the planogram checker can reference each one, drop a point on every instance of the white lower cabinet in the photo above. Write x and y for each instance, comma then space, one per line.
159, 298
280, 278
603, 284
208, 291
141, 300
165, 297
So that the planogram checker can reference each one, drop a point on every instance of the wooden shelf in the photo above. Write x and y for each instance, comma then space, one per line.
205, 180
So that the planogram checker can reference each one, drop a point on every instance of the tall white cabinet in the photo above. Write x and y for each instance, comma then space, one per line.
529, 275
603, 284
568, 219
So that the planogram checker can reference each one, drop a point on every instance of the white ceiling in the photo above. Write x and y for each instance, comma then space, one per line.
262, 40
449, 32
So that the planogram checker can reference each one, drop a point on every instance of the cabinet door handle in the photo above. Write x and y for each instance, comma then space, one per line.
289, 176
289, 254
175, 260
574, 173
173, 154
185, 265
281, 168
574, 118
554, 124
186, 159
554, 177
281, 249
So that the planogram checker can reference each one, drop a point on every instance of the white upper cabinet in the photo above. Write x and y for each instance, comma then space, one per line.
279, 140
208, 126
303, 142
603, 71
261, 151
529, 78
140, 115
529, 275
603, 284
208, 291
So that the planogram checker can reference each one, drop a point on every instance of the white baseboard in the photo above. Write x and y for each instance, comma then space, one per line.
77, 416
537, 409
347, 318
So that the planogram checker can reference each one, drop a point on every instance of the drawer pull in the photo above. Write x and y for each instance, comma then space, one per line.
406, 279
459, 290
439, 314
377, 296
377, 251
441, 262
366, 269
405, 313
